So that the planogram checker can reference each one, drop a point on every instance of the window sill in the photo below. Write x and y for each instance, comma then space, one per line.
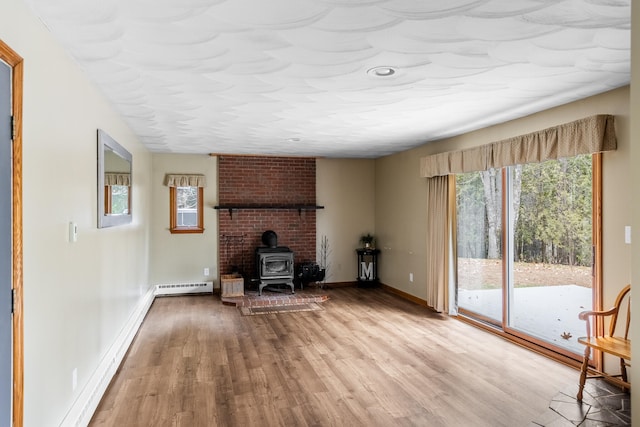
187, 230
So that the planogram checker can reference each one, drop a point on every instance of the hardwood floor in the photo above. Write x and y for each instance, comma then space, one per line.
369, 358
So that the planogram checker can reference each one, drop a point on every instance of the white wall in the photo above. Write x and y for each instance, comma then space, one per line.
79, 296
181, 258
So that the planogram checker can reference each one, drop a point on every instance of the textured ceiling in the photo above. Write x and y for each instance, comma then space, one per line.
289, 77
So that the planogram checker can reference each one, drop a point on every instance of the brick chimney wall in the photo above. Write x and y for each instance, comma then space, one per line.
265, 181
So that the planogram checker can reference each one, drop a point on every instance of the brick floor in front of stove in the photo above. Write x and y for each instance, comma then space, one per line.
252, 299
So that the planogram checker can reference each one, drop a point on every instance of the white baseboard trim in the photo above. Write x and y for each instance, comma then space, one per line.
85, 405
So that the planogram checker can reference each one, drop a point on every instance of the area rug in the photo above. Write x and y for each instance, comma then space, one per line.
277, 309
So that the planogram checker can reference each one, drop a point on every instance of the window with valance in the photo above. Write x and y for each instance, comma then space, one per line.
592, 134
185, 202
585, 136
117, 178
185, 180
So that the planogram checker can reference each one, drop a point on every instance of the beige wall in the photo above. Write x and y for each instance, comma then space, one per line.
401, 204
344, 186
632, 190
346, 189
181, 258
77, 296
400, 222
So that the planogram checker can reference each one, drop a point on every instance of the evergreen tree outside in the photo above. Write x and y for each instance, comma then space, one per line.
119, 199
187, 204
554, 225
548, 244
552, 217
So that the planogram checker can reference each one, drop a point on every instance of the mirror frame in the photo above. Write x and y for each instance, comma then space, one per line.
105, 142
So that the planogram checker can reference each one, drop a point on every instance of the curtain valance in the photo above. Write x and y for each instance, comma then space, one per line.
585, 136
117, 178
184, 180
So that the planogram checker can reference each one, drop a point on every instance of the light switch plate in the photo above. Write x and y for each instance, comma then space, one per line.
627, 234
73, 232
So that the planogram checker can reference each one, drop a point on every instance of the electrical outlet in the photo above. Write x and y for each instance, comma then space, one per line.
74, 379
411, 277
206, 271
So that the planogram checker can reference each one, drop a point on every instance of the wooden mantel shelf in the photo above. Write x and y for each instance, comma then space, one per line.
299, 208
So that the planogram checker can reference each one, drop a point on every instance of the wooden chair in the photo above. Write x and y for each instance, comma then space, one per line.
616, 345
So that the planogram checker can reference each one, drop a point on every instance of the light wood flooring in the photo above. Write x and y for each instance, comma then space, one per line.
369, 358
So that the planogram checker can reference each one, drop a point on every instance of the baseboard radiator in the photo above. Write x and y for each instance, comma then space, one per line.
184, 288
92, 392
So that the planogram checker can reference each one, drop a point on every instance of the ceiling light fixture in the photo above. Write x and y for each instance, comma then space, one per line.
382, 71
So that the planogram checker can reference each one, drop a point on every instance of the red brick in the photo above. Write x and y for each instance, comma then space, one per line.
269, 181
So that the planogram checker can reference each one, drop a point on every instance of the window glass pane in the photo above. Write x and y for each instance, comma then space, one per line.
479, 209
550, 228
547, 240
187, 205
119, 199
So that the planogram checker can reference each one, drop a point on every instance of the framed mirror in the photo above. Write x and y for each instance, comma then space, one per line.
114, 182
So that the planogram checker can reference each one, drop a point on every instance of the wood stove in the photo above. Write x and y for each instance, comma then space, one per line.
274, 264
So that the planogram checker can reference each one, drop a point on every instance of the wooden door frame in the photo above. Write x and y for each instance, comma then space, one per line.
16, 64
596, 270
526, 340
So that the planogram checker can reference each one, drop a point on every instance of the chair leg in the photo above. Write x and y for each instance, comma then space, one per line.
623, 370
583, 373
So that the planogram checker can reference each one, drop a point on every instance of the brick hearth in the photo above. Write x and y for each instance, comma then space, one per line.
252, 299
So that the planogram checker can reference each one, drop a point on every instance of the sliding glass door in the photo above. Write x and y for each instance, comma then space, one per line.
524, 249
479, 207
